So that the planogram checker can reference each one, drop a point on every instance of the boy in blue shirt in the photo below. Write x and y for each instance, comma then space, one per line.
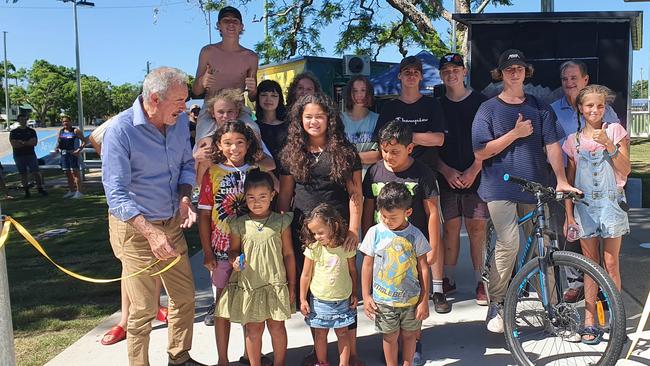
394, 276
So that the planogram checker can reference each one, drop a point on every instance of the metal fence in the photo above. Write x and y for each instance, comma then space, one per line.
639, 125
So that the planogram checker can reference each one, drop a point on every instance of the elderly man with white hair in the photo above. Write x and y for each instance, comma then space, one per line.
148, 172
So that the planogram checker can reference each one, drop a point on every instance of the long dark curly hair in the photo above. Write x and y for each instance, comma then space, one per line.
297, 158
330, 217
291, 90
253, 153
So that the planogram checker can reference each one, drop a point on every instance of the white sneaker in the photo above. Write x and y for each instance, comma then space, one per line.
77, 195
494, 320
69, 194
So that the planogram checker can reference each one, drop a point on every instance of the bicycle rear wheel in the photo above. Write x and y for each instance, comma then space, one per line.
536, 336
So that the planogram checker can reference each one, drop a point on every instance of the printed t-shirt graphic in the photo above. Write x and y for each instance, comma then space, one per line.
222, 192
395, 276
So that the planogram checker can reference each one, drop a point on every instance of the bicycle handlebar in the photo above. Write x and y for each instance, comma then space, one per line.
534, 188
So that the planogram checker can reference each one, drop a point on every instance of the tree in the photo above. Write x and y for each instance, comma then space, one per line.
122, 97
295, 26
47, 89
96, 96
639, 89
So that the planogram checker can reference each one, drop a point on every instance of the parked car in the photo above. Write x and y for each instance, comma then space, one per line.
32, 123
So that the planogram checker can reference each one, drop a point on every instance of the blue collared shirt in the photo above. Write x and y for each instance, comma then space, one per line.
142, 167
566, 116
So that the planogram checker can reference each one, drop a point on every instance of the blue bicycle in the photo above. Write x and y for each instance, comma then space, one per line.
541, 327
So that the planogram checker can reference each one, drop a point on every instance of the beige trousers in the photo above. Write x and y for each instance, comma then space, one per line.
133, 250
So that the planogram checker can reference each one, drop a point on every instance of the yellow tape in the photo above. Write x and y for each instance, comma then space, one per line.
21, 229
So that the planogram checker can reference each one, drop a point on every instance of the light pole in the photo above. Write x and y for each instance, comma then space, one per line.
4, 34
80, 108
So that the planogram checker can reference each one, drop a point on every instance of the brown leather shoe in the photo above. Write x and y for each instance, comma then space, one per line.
440, 303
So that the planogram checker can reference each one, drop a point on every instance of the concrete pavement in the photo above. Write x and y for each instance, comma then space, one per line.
458, 338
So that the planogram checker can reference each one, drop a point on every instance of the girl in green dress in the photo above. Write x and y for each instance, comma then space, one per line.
261, 253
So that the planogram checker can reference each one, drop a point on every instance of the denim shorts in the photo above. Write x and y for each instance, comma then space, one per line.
603, 217
24, 162
330, 314
69, 161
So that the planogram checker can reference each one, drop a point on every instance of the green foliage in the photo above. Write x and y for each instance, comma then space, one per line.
367, 26
123, 96
639, 89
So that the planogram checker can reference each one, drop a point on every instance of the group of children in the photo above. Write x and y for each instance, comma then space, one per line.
285, 201
269, 254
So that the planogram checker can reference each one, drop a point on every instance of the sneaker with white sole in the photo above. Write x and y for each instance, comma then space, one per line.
69, 194
494, 320
77, 195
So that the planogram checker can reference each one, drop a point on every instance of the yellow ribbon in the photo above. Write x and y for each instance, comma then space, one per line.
21, 229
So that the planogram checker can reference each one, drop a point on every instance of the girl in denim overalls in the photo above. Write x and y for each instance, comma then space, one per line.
598, 164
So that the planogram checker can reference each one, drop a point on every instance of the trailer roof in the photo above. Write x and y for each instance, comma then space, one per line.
634, 17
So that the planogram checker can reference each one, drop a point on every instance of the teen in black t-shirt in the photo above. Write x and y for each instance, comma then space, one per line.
270, 113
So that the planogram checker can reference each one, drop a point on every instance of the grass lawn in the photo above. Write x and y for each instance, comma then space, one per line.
640, 158
51, 310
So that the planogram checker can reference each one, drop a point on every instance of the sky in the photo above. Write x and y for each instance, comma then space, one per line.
118, 37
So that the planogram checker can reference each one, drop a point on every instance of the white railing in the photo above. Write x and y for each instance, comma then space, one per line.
639, 125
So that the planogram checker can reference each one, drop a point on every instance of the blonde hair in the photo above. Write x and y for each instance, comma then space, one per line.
234, 96
607, 94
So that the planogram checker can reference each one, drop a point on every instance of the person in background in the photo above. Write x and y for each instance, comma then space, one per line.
23, 139
270, 113
460, 175
305, 83
359, 121
193, 118
70, 150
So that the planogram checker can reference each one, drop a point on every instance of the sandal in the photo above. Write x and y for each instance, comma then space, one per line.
114, 335
162, 314
591, 331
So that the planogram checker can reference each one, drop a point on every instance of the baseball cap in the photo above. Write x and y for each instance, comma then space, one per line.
512, 57
412, 62
451, 58
229, 10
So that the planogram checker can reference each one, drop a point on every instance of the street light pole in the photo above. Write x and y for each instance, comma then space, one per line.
80, 108
4, 34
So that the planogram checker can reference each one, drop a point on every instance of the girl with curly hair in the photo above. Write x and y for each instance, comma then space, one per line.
222, 199
319, 165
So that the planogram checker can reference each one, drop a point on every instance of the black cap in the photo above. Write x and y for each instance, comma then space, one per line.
410, 61
512, 57
228, 10
451, 58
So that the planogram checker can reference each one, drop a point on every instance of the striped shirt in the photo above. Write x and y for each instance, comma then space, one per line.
525, 157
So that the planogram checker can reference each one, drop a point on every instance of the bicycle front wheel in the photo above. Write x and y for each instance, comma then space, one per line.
561, 332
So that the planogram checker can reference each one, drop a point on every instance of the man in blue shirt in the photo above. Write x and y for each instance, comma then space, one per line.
509, 134
148, 172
